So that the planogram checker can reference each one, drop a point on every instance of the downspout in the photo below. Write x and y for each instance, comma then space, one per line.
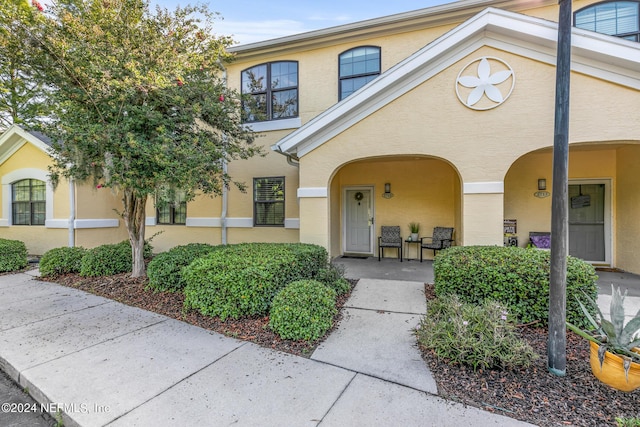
291, 159
72, 214
225, 190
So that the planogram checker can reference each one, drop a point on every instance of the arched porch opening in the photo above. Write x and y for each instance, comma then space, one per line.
603, 200
423, 189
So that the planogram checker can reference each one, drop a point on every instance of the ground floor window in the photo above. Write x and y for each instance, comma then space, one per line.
28, 198
268, 201
173, 211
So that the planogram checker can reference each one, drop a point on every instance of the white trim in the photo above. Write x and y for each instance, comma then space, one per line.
608, 216
240, 222
312, 192
150, 221
293, 223
203, 222
496, 187
20, 174
14, 138
272, 125
217, 222
96, 223
605, 57
57, 223
4, 222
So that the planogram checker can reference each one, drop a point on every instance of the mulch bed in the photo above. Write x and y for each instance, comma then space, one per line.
533, 394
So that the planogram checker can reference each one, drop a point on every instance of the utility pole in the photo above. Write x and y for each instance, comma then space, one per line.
557, 340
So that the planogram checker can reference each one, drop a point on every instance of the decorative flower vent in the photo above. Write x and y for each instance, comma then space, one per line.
477, 88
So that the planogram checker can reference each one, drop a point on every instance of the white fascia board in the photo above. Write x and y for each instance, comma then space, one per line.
14, 138
530, 36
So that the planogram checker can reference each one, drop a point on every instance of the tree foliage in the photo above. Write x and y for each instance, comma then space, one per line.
21, 93
139, 103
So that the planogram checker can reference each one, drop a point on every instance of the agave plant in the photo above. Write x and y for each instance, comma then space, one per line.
612, 335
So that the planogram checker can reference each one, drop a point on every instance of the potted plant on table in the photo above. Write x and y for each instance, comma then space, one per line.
414, 227
615, 356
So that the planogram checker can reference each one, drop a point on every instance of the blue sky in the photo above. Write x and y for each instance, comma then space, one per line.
250, 21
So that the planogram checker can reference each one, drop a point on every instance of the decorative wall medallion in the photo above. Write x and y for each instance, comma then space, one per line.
485, 83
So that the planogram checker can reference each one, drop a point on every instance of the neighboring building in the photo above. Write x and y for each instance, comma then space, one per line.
453, 106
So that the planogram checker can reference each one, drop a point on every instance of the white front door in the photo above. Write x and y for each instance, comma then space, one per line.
588, 221
358, 220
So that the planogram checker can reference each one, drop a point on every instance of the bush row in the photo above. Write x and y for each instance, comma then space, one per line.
242, 280
516, 277
13, 255
104, 260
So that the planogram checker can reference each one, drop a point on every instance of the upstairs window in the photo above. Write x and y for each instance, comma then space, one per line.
358, 67
616, 18
173, 212
268, 201
28, 198
270, 91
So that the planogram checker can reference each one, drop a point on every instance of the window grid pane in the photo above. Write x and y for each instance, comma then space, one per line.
270, 91
620, 19
358, 67
28, 202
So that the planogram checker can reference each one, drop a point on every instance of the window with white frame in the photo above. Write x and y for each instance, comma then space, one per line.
28, 202
614, 18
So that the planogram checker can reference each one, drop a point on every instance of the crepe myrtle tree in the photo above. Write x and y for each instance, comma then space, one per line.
139, 103
21, 94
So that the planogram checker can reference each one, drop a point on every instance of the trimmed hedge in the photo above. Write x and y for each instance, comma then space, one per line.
242, 280
333, 277
517, 277
164, 270
303, 310
110, 259
61, 261
13, 255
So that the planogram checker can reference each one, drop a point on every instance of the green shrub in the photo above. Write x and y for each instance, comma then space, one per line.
481, 336
13, 255
110, 259
303, 310
164, 270
517, 277
333, 277
241, 280
61, 261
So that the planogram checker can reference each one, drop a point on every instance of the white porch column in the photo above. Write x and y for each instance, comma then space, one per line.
483, 212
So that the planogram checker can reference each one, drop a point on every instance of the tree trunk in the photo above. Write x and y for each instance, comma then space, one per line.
134, 220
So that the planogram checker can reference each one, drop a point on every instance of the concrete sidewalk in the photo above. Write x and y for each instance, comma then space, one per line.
104, 363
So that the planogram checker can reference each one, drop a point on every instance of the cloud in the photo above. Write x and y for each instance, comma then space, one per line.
245, 32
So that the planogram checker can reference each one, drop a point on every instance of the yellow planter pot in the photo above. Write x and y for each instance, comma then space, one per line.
612, 370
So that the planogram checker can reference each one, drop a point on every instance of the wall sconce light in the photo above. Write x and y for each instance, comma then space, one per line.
542, 184
387, 191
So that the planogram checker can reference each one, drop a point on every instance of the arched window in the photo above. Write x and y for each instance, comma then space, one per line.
272, 90
358, 66
615, 18
28, 197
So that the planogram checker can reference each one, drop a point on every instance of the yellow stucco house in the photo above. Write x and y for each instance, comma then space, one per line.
442, 116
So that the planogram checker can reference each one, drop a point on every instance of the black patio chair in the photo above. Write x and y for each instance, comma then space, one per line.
390, 238
442, 239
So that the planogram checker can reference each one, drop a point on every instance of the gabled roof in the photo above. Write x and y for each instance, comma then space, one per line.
605, 57
15, 137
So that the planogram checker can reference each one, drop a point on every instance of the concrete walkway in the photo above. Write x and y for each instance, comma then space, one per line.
103, 363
